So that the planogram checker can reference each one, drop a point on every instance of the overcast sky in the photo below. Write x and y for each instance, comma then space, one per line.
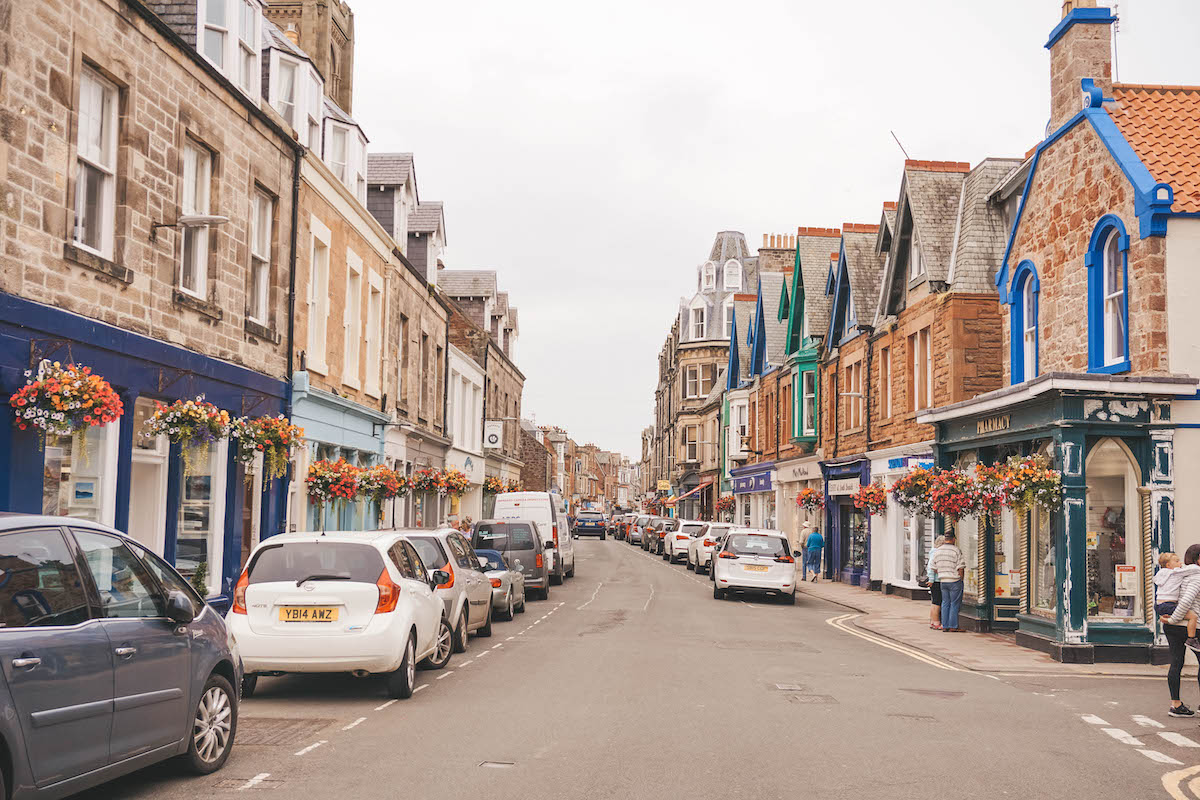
589, 152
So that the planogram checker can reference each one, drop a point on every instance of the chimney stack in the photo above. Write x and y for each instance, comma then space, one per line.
1080, 47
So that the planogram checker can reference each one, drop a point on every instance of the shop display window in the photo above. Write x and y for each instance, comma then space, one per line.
854, 537
1006, 558
79, 474
1114, 541
744, 510
769, 513
201, 531
906, 546
1041, 562
967, 532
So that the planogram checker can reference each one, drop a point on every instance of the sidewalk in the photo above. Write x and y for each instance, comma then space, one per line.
907, 622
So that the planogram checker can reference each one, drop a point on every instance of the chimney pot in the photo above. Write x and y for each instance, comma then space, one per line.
764, 240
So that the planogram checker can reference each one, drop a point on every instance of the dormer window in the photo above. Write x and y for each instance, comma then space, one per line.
916, 262
710, 276
346, 155
229, 39
285, 91
699, 319
851, 326
733, 276
295, 91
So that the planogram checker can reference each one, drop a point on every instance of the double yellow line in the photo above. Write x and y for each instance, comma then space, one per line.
841, 623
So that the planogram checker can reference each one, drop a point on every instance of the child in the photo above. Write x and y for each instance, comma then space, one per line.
1167, 583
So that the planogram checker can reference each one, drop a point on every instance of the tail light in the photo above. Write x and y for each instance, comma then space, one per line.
554, 530
709, 543
680, 538
239, 593
785, 559
495, 583
449, 570
389, 593
726, 554
537, 561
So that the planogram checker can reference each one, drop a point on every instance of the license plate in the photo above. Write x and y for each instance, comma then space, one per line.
308, 614
754, 568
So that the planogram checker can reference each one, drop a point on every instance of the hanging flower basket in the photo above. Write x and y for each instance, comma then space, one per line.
428, 480
193, 425
512, 486
725, 504
871, 498
953, 494
990, 492
493, 485
274, 437
911, 491
332, 480
380, 483
1030, 481
454, 483
810, 499
64, 401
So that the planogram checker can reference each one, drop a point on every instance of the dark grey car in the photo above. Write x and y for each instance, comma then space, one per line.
517, 540
110, 660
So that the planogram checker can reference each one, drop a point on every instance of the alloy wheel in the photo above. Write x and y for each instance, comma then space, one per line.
410, 666
212, 726
445, 641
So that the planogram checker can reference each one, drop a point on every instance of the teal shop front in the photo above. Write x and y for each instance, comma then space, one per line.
1074, 582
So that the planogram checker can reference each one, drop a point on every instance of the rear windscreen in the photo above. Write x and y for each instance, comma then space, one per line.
751, 545
296, 561
641, 521
590, 515
503, 536
430, 552
693, 530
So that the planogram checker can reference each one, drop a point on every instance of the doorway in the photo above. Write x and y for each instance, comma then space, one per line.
148, 483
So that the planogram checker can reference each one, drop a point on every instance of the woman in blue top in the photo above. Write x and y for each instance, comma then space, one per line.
813, 546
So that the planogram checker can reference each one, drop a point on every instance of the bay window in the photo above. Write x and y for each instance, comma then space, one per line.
808, 403
96, 164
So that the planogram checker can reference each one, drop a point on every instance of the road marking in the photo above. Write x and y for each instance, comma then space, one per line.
1178, 739
1123, 737
255, 781
648, 599
385, 705
1174, 782
419, 688
1146, 722
560, 605
509, 639
1092, 719
310, 748
498, 645
837, 622
484, 653
537, 622
445, 674
465, 663
1154, 755
355, 724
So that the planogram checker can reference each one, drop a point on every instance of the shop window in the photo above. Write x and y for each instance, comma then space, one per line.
79, 474
1107, 263
96, 164
150, 464
744, 510
1006, 558
1114, 541
201, 531
1042, 562
853, 536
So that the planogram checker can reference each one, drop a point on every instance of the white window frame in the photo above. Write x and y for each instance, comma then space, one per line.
699, 322
277, 101
709, 280
102, 158
203, 26
916, 259
401, 360
318, 297
262, 210
922, 369
927, 337
314, 110
851, 323
691, 381
340, 168
731, 278
1029, 337
885, 382
691, 443
374, 332
808, 391
196, 199
1114, 299
728, 316
248, 47
237, 43
708, 376
352, 320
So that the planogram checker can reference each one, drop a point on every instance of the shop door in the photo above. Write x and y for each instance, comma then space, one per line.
251, 512
853, 540
148, 483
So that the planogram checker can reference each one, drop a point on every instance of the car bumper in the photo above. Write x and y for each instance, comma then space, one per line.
379, 648
589, 531
500, 598
745, 583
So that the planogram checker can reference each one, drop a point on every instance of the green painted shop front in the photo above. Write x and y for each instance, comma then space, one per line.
1074, 582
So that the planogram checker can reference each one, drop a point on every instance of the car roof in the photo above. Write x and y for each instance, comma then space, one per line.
758, 531
387, 535
12, 520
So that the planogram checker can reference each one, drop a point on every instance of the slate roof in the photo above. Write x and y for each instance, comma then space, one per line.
426, 217
272, 36
865, 269
814, 252
1162, 125
718, 386
332, 109
727, 245
980, 234
389, 169
467, 282
931, 190
501, 303
775, 331
512, 319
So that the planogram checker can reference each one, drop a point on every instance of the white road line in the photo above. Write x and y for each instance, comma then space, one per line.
1092, 719
1154, 755
465, 663
1178, 739
385, 705
1122, 737
445, 674
255, 781
419, 688
310, 748
484, 653
509, 639
836, 622
355, 724
537, 622
560, 605
495, 646
648, 599
1146, 722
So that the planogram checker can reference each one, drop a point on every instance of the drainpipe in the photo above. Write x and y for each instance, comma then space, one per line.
867, 388
291, 326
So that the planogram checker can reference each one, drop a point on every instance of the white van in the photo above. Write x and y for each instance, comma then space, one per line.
549, 510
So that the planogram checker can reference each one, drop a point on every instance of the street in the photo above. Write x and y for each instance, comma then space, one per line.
631, 681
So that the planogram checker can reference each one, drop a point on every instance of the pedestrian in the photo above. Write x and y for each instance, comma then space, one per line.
813, 546
948, 563
1177, 634
935, 588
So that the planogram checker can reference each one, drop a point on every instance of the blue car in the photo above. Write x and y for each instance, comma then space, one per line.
590, 523
110, 661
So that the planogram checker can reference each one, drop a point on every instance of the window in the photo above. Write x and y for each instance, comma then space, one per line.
733, 276
1108, 297
402, 361
729, 318
374, 333
352, 319
169, 579
885, 382
785, 409
708, 376
1029, 302
338, 144
318, 298
710, 276
248, 47
216, 31
423, 402
1114, 300
313, 111
42, 587
125, 585
201, 522
230, 39
919, 367
96, 164
1023, 323
691, 443
285, 91
1115, 586
691, 382
260, 256
197, 177
808, 403
699, 316
851, 326
916, 261
854, 397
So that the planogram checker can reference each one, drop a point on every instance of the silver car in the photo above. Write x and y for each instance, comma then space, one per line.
508, 584
467, 595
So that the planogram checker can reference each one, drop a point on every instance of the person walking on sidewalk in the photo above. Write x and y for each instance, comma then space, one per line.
935, 588
812, 554
948, 562
1177, 635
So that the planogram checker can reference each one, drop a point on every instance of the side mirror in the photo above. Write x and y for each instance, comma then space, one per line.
180, 608
549, 546
483, 563
797, 553
438, 578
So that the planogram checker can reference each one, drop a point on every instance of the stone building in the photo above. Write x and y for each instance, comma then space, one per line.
537, 459
325, 30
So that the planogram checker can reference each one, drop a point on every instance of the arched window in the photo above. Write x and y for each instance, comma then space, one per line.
1115, 585
710, 276
733, 275
1023, 323
1108, 297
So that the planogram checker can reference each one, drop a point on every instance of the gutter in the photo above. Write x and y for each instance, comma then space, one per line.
291, 326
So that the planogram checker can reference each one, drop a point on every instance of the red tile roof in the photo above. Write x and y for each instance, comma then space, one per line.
1162, 125
937, 166
834, 232
858, 227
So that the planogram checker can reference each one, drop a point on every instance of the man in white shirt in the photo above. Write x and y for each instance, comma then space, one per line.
948, 562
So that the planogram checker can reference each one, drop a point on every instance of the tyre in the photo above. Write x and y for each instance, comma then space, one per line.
445, 646
602, 537
791, 598
214, 726
701, 569
571, 571
666, 556
690, 566
509, 612
486, 630
249, 684
402, 681
524, 599
556, 579
460, 632
718, 593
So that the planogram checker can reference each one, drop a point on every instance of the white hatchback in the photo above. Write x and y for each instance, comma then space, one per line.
700, 548
339, 602
675, 544
755, 560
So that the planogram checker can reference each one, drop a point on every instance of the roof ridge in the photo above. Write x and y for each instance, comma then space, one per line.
818, 232
1169, 87
859, 227
937, 166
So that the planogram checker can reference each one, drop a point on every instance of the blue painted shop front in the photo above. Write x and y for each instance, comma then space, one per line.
848, 544
213, 515
754, 493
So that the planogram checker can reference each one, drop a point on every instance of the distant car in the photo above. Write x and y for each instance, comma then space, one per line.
663, 527
519, 541
548, 509
700, 548
508, 584
755, 560
110, 660
675, 544
590, 523
637, 529
464, 591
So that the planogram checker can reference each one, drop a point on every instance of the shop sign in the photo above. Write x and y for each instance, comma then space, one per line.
909, 461
664, 486
1000, 422
1127, 585
752, 483
844, 486
803, 472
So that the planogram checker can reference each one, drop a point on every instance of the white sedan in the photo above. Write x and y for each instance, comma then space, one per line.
675, 543
339, 602
755, 560
700, 548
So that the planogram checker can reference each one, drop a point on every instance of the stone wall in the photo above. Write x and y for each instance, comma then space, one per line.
538, 464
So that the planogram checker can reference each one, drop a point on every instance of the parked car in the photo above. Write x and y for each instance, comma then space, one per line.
755, 560
637, 529
700, 548
519, 541
339, 602
590, 523
675, 544
98, 682
663, 527
508, 584
623, 523
465, 592
548, 509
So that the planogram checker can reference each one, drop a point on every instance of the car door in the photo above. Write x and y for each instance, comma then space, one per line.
416, 588
479, 588
55, 656
151, 657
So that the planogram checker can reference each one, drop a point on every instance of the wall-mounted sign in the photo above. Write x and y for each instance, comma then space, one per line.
1000, 422
664, 486
1126, 580
844, 486
753, 483
493, 433
803, 472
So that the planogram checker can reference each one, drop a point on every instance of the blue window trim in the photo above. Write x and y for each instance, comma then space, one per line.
1025, 274
732, 378
758, 340
1094, 16
1094, 261
841, 304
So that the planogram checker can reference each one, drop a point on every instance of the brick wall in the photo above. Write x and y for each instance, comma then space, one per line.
775, 259
538, 464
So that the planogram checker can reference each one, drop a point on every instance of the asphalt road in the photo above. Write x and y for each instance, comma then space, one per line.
631, 681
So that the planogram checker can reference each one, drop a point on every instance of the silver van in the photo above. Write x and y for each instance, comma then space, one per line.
517, 540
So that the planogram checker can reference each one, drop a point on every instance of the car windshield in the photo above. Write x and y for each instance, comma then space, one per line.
747, 544
590, 515
494, 559
641, 521
430, 552
297, 561
693, 530
503, 536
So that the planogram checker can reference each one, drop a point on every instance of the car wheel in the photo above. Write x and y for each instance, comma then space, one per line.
249, 684
403, 679
690, 566
524, 600
460, 632
509, 613
214, 726
602, 537
791, 598
701, 569
486, 630
556, 579
571, 571
445, 646
718, 593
